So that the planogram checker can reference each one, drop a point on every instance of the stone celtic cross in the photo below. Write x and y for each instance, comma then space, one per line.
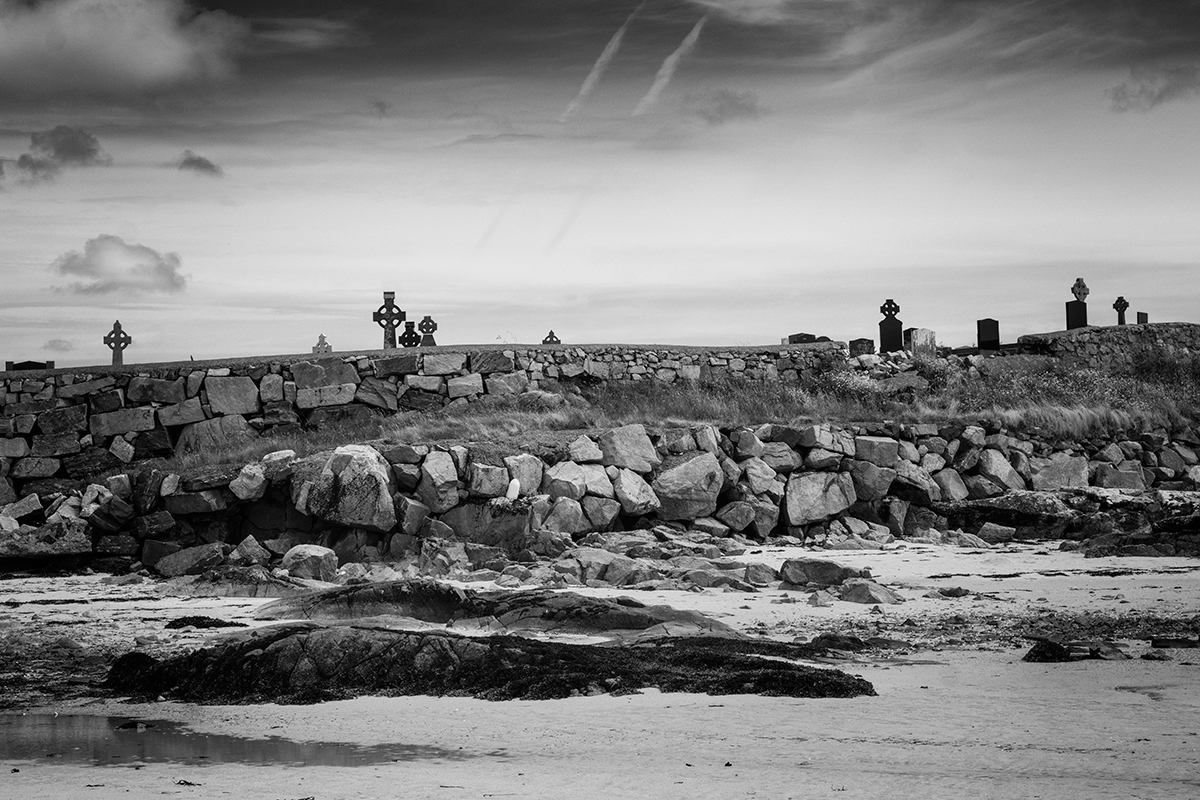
1080, 290
322, 346
1121, 306
427, 327
551, 339
410, 337
389, 316
890, 309
117, 340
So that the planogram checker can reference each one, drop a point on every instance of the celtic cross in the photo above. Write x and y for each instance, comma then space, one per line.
389, 316
1121, 306
427, 327
890, 309
118, 340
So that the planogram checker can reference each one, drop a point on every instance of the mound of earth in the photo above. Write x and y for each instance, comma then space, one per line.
533, 610
309, 662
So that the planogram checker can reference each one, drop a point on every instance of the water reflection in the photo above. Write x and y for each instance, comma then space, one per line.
119, 740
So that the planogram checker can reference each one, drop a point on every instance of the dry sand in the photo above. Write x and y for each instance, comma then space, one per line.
957, 715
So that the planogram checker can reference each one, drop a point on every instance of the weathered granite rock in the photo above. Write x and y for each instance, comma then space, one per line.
438, 488
125, 420
487, 480
1107, 477
146, 390
915, 485
508, 384
800, 571
634, 494
860, 590
403, 364
871, 482
470, 385
444, 363
153, 525
689, 490
1059, 471
497, 523
951, 485
737, 515
30, 467
992, 533
378, 393
322, 396
490, 361
232, 395
203, 502
879, 450
215, 435
566, 515
61, 420
323, 372
311, 561
585, 451
184, 413
629, 448
66, 537
355, 488
270, 388
527, 469
815, 496
248, 553
191, 560
996, 468
601, 511
250, 484
565, 479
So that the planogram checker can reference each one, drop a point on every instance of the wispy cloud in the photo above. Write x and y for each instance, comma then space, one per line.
59, 345
190, 162
1149, 87
305, 34
108, 264
57, 48
718, 106
667, 70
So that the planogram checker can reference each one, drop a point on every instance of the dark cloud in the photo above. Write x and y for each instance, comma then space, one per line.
69, 48
59, 345
1148, 87
190, 162
380, 106
59, 147
108, 264
716, 107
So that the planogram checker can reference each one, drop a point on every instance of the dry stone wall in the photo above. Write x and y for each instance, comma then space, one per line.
1114, 347
63, 425
632, 507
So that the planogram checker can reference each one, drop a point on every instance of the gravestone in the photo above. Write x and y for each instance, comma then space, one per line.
427, 327
389, 316
1077, 308
551, 338
118, 340
410, 337
800, 338
923, 342
1143, 318
1121, 306
862, 347
11, 366
987, 332
891, 330
322, 346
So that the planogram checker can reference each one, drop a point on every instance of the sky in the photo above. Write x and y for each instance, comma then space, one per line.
235, 178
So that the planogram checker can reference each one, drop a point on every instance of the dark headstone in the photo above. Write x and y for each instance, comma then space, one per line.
862, 347
117, 340
891, 330
1076, 314
388, 316
427, 327
410, 337
551, 339
1143, 318
11, 366
801, 338
988, 334
1121, 306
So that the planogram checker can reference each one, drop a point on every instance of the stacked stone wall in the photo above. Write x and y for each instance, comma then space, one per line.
1115, 347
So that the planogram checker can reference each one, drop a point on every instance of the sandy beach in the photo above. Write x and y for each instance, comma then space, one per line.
957, 712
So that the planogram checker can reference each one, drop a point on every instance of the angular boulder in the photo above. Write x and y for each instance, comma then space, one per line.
815, 496
191, 560
355, 488
689, 489
634, 494
311, 561
630, 448
438, 488
800, 571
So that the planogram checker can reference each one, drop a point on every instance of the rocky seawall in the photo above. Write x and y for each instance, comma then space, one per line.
638, 507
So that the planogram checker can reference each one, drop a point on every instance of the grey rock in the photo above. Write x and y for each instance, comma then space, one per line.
634, 494
125, 420
860, 590
234, 395
215, 435
815, 496
585, 451
689, 489
250, 484
443, 363
527, 469
323, 372
248, 553
191, 560
997, 469
311, 561
1059, 471
821, 572
438, 488
487, 480
879, 450
951, 485
629, 448
355, 488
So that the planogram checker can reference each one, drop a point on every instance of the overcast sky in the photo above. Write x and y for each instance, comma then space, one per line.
235, 178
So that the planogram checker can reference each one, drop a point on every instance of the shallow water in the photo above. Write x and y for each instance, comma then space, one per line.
121, 741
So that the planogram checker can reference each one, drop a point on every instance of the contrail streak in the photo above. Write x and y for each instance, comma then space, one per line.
593, 77
668, 68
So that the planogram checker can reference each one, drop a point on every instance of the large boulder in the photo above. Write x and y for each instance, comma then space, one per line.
191, 560
526, 469
311, 561
64, 537
215, 435
951, 485
1059, 471
996, 468
498, 522
689, 489
814, 496
634, 494
438, 488
801, 571
915, 485
629, 448
871, 482
355, 488
565, 479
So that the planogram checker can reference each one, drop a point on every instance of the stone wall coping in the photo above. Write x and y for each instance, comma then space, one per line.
131, 368
1031, 338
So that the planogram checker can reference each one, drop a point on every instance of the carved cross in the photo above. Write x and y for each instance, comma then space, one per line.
1121, 306
117, 340
551, 338
389, 316
410, 337
427, 327
1080, 290
890, 309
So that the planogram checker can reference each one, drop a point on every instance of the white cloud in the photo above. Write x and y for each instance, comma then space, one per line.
109, 264
112, 47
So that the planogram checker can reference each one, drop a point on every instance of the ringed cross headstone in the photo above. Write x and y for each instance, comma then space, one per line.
427, 327
322, 346
410, 337
1077, 308
891, 330
389, 316
551, 338
1121, 306
117, 340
